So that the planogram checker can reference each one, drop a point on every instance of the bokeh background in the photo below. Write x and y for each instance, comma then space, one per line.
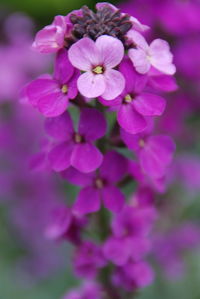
31, 267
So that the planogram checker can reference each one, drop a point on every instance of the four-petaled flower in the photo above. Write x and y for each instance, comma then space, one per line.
50, 95
72, 148
157, 55
97, 60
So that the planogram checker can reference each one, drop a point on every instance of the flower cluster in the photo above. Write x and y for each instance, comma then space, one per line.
112, 81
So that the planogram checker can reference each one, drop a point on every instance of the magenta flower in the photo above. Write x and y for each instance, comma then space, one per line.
76, 148
157, 55
120, 250
64, 224
155, 153
97, 60
100, 186
133, 275
52, 37
90, 290
134, 104
50, 95
88, 259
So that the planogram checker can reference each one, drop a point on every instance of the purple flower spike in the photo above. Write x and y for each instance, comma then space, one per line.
97, 60
76, 148
134, 104
155, 153
101, 186
50, 95
52, 37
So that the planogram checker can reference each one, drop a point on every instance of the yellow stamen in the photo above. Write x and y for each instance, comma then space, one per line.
128, 98
64, 88
98, 70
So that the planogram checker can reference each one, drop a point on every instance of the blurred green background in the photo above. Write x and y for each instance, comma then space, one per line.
42, 12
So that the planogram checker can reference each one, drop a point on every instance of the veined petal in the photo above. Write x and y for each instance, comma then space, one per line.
61, 127
83, 54
40, 87
115, 84
110, 49
52, 105
149, 104
139, 60
161, 57
130, 120
90, 85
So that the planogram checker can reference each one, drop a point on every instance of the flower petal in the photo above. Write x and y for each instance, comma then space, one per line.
52, 105
90, 85
88, 201
92, 124
157, 155
114, 167
110, 49
149, 104
115, 84
40, 87
161, 57
83, 54
63, 68
139, 60
113, 198
86, 157
78, 178
60, 155
130, 120
61, 127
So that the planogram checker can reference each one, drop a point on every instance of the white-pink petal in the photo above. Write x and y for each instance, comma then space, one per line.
140, 60
115, 84
83, 54
137, 39
110, 49
90, 85
161, 57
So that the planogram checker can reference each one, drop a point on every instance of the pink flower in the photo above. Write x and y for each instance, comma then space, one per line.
52, 37
133, 275
72, 148
157, 55
155, 153
51, 94
97, 60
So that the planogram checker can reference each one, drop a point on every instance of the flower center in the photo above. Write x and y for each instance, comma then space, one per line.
98, 69
64, 89
78, 138
128, 98
99, 183
141, 143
